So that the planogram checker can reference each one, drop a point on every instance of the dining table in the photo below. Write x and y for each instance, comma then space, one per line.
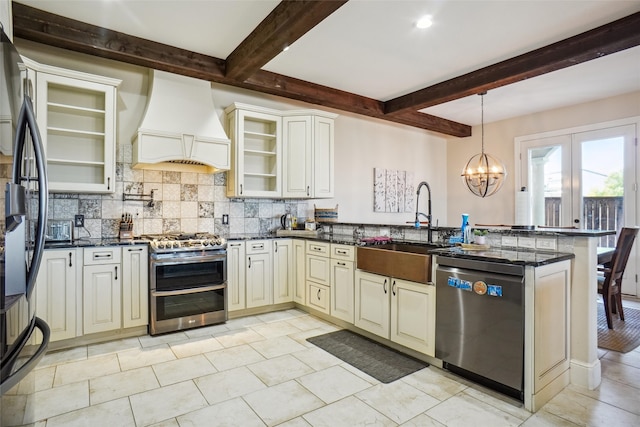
604, 255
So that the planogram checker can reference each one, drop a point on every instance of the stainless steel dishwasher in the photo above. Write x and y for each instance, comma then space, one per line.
480, 322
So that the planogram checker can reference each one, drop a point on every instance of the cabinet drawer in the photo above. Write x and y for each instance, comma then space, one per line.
318, 248
318, 269
318, 297
257, 247
345, 252
102, 255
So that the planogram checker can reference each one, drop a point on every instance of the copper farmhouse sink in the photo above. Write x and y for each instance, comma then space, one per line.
400, 260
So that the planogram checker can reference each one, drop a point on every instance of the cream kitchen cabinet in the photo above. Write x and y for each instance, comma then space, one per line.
259, 273
76, 114
298, 266
308, 154
256, 151
236, 273
58, 286
547, 332
102, 291
396, 309
135, 286
372, 303
318, 276
282, 270
342, 282
413, 315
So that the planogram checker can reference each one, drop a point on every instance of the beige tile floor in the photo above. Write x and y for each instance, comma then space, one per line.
260, 370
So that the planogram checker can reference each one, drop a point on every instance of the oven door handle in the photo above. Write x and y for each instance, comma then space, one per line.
187, 291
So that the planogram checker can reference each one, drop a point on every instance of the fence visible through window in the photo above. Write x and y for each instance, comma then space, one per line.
599, 213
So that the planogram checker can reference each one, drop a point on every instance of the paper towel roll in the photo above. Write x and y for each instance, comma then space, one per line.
523, 208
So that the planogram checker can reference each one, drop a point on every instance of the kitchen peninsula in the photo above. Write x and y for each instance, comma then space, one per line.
524, 248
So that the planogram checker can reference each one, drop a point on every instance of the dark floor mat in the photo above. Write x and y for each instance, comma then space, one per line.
379, 361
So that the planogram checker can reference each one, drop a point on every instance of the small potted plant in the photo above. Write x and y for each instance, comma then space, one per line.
480, 236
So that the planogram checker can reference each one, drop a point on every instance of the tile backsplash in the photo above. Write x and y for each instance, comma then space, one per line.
184, 201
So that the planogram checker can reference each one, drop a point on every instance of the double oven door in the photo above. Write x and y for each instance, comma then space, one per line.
187, 290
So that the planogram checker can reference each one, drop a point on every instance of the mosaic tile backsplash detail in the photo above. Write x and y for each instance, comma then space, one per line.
184, 202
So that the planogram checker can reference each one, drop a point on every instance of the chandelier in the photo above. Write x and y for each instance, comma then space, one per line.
483, 174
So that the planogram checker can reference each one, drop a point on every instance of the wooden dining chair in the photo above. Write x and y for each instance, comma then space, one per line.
610, 283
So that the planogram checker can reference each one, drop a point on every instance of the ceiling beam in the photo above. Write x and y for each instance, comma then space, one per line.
289, 21
607, 39
55, 30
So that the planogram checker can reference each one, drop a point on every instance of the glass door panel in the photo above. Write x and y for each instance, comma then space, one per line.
584, 180
547, 175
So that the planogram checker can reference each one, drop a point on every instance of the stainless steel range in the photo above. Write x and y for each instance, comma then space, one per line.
187, 281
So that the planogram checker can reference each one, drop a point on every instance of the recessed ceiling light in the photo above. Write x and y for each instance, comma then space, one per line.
424, 22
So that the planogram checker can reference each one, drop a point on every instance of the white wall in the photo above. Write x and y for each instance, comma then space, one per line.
5, 17
499, 141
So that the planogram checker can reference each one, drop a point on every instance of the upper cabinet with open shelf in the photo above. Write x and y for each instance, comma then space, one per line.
76, 114
280, 153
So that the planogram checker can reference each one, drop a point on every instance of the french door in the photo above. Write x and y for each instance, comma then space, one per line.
584, 178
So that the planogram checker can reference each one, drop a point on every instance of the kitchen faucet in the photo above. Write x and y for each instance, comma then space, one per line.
428, 215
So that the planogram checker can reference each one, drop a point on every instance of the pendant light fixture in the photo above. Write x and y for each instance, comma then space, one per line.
484, 174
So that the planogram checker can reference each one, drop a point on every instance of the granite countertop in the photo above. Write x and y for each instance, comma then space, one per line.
506, 255
501, 255
86, 243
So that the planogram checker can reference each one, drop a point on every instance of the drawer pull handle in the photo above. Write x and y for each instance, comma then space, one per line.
135, 250
109, 183
70, 265
393, 288
96, 256
308, 190
318, 294
276, 243
249, 262
341, 263
260, 246
341, 252
116, 278
384, 286
240, 188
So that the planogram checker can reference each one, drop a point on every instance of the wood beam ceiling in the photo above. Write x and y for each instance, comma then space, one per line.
289, 21
55, 30
241, 68
607, 39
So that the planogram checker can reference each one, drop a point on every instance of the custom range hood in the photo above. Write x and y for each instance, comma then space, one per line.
180, 130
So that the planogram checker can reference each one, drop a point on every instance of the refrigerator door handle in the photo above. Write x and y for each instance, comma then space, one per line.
27, 118
28, 366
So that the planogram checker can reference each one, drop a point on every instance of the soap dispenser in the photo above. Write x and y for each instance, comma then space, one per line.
466, 231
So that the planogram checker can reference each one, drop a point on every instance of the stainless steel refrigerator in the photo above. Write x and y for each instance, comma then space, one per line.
24, 176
